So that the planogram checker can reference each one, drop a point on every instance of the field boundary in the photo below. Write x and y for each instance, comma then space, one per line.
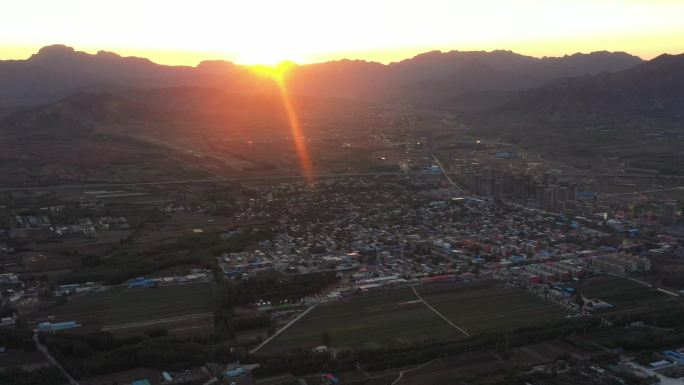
438, 313
278, 332
401, 374
155, 321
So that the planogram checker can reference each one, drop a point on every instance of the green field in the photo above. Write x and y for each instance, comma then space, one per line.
626, 295
84, 308
485, 307
161, 302
379, 320
121, 305
371, 321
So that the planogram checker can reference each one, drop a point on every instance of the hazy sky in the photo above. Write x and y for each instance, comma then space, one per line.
265, 31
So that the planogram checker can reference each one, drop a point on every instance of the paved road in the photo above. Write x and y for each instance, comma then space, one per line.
43, 349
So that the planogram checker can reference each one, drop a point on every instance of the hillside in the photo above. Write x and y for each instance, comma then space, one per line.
652, 89
57, 71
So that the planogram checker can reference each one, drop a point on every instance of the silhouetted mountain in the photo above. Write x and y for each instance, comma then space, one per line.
654, 88
57, 71
459, 74
442, 76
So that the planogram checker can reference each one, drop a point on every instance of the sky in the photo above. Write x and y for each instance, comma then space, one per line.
304, 31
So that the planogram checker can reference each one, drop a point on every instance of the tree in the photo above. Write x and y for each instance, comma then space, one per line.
325, 338
578, 300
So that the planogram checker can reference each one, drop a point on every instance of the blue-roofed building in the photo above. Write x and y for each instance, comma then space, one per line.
141, 282
141, 382
235, 372
676, 356
505, 155
48, 327
479, 259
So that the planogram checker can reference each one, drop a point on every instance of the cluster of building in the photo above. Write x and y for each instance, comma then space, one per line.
87, 226
620, 263
577, 265
77, 288
497, 183
196, 275
31, 221
554, 271
391, 231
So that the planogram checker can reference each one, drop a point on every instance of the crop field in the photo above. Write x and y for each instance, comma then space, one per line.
122, 306
397, 317
85, 309
486, 306
374, 320
140, 305
626, 295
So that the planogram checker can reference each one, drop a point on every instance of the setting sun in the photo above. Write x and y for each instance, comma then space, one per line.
276, 70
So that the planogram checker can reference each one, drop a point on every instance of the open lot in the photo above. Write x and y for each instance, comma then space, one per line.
396, 317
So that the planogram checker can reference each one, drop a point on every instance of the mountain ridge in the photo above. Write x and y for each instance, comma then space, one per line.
58, 70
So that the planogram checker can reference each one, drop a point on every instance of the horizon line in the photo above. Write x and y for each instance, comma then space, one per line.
95, 52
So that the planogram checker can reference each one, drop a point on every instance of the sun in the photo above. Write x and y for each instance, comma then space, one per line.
275, 71
268, 56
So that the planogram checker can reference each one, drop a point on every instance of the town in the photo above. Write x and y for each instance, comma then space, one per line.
258, 264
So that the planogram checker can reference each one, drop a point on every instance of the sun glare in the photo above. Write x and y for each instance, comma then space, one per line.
275, 71
278, 74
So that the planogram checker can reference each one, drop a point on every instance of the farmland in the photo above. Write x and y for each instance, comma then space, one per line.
396, 317
123, 308
160, 303
484, 307
371, 321
626, 295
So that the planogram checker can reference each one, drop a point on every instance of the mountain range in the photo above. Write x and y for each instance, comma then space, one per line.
59, 86
57, 71
651, 89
